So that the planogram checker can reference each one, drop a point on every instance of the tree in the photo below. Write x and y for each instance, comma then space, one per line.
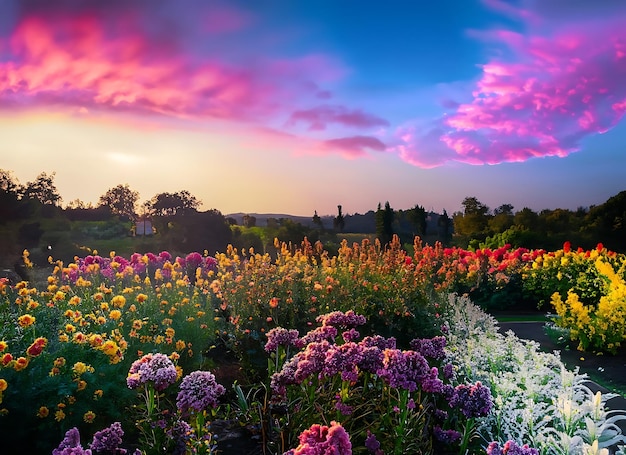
43, 190
339, 221
249, 220
384, 223
472, 223
502, 219
10, 184
121, 200
444, 223
317, 220
170, 204
417, 217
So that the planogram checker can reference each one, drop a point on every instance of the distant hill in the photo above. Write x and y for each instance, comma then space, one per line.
355, 223
261, 218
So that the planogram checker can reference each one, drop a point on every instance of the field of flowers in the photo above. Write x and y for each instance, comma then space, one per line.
373, 350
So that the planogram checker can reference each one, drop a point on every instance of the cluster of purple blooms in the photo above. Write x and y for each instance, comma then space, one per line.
105, 442
198, 391
279, 336
323, 440
342, 320
510, 448
156, 369
410, 370
138, 264
473, 400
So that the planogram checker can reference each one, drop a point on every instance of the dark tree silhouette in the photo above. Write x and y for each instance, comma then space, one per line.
121, 200
339, 221
43, 190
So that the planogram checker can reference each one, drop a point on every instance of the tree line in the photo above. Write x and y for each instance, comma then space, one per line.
29, 213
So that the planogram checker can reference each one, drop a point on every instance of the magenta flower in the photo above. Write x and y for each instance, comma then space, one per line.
510, 448
323, 440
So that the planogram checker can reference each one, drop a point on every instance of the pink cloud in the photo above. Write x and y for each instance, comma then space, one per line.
319, 117
556, 90
85, 61
354, 146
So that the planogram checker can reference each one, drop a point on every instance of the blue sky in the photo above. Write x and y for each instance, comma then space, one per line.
296, 107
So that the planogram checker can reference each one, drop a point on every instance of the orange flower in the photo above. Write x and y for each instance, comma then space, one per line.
3, 346
59, 415
273, 302
20, 363
3, 385
89, 416
43, 412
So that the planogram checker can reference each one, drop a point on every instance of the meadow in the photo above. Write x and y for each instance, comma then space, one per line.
372, 350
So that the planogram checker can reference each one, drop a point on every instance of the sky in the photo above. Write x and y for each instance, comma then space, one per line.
296, 107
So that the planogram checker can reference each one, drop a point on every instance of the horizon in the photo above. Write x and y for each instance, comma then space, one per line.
296, 107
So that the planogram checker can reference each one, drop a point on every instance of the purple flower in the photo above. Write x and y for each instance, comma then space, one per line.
446, 436
157, 369
351, 335
430, 347
107, 441
70, 445
372, 444
179, 433
404, 369
340, 319
448, 372
282, 337
510, 448
340, 406
323, 440
343, 359
325, 332
198, 391
432, 383
473, 400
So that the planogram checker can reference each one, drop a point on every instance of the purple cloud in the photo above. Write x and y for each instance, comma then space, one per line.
354, 146
319, 117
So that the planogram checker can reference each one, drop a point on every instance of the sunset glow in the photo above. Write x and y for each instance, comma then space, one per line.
292, 107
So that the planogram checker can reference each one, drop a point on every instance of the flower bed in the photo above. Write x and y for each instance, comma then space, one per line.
398, 365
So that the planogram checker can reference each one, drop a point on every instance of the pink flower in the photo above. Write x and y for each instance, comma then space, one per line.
323, 440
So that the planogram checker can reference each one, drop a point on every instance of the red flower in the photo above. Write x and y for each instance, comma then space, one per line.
567, 246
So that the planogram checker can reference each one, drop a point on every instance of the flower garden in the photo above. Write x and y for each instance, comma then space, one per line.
371, 351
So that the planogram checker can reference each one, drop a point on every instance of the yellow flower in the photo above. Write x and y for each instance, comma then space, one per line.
43, 412
115, 315
59, 415
26, 320
3, 385
3, 346
80, 368
89, 416
81, 385
98, 394
118, 301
